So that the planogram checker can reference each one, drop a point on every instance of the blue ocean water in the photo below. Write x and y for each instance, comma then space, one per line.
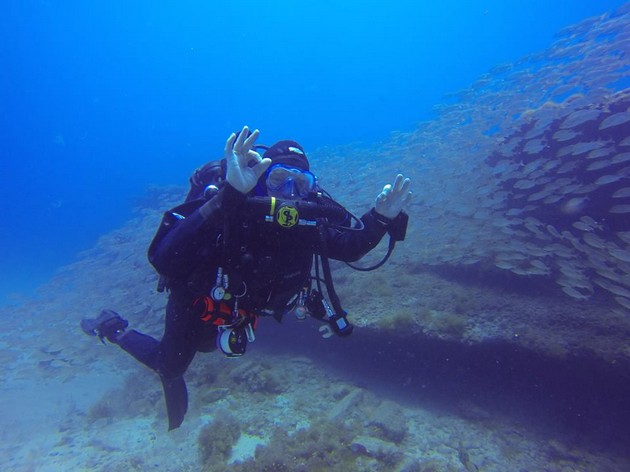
99, 100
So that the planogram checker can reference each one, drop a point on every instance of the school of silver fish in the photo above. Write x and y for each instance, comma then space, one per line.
528, 170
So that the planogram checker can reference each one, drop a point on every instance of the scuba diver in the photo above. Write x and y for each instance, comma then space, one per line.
242, 247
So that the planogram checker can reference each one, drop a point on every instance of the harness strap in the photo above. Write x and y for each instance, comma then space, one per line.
340, 325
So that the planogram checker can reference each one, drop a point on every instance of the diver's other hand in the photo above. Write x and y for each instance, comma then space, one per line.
393, 198
244, 165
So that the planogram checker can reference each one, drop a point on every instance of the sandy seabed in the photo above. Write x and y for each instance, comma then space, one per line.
399, 395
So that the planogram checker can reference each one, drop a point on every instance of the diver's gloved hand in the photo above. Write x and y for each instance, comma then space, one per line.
393, 198
244, 165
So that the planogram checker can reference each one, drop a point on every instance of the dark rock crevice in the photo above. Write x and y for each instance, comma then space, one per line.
581, 398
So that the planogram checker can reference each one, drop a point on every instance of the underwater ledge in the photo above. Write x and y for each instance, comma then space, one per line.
579, 397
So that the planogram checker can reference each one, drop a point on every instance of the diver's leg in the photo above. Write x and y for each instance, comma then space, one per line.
176, 398
111, 326
168, 360
107, 325
169, 357
142, 347
175, 352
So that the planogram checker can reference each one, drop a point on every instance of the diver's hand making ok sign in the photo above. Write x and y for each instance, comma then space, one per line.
244, 164
393, 198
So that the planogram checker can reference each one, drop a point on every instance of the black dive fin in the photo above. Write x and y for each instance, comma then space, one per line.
176, 397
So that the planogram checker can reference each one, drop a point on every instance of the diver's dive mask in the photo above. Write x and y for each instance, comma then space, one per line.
289, 182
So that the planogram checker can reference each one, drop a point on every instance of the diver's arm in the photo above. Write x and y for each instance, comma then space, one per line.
174, 254
349, 246
177, 252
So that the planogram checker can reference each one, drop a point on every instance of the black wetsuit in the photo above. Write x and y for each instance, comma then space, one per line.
268, 263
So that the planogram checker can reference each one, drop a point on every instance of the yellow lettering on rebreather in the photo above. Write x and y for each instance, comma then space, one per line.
287, 216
